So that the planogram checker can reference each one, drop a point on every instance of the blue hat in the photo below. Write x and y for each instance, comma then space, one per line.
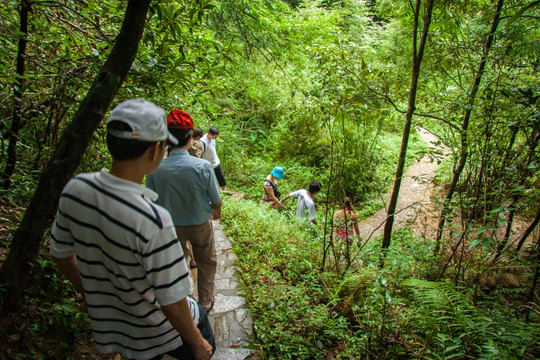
277, 172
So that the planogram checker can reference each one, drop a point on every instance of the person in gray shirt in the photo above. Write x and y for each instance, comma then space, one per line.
188, 188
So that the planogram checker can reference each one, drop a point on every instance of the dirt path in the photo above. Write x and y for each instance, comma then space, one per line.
414, 196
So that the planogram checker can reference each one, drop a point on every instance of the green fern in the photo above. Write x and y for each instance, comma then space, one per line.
356, 282
442, 298
454, 328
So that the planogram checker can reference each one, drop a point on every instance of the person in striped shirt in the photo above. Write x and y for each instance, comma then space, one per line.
120, 249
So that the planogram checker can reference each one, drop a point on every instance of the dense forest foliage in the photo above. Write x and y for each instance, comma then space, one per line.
323, 88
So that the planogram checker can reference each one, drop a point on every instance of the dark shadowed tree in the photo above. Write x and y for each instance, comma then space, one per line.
458, 169
18, 89
17, 269
418, 53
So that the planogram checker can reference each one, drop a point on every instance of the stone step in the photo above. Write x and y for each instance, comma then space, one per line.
231, 321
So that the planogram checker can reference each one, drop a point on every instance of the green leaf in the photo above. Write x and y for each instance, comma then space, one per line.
522, 11
474, 243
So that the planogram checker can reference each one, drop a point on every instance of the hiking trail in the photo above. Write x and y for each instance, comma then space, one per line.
414, 195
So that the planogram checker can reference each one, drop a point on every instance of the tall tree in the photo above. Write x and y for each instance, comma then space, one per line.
418, 53
18, 89
16, 270
458, 169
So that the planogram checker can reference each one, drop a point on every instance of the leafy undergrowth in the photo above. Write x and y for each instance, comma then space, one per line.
52, 324
48, 331
302, 311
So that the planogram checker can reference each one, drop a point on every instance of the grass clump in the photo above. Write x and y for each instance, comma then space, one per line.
303, 310
278, 262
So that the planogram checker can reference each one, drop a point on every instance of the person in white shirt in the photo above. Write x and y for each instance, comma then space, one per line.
210, 154
306, 205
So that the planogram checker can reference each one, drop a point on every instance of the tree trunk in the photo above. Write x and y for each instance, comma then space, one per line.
530, 297
465, 126
509, 225
18, 89
528, 232
513, 207
418, 53
17, 268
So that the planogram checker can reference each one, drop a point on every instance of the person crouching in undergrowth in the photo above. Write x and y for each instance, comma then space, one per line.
306, 205
346, 222
271, 192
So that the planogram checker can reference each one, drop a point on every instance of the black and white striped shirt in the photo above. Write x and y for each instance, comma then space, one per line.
130, 261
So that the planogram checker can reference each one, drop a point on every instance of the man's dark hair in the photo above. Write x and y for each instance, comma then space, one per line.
126, 149
314, 187
182, 135
213, 130
197, 132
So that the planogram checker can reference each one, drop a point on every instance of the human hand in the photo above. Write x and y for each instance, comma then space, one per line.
203, 351
215, 215
280, 203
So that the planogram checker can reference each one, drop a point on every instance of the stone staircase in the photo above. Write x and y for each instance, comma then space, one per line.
231, 321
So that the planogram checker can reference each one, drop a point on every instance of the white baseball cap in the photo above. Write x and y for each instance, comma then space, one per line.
147, 121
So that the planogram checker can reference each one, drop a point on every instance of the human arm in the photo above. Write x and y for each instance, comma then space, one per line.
216, 210
70, 269
312, 214
212, 192
293, 195
270, 192
62, 247
172, 285
179, 315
